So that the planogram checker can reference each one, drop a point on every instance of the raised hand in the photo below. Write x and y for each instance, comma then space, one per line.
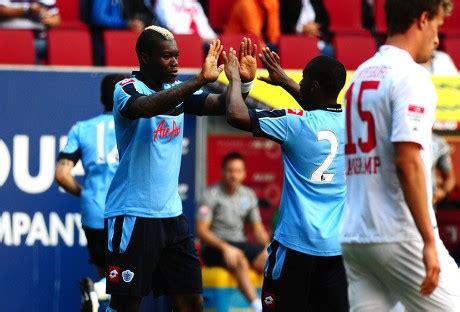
231, 65
271, 61
248, 60
210, 71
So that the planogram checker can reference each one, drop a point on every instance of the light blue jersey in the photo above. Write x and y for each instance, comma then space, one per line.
313, 198
146, 183
93, 141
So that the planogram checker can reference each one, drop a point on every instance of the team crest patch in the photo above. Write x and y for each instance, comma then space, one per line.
114, 274
127, 276
297, 112
124, 82
268, 301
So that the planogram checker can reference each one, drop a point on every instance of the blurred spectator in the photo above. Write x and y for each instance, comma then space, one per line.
258, 17
31, 14
139, 10
109, 14
184, 17
441, 64
307, 17
444, 183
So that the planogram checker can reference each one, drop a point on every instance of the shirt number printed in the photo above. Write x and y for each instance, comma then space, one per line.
102, 157
366, 116
319, 175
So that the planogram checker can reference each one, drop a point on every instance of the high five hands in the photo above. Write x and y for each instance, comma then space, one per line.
247, 63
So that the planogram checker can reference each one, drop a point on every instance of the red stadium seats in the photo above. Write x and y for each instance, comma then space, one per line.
219, 11
452, 47
345, 15
120, 48
380, 17
69, 47
70, 14
352, 50
18, 47
451, 26
296, 51
191, 50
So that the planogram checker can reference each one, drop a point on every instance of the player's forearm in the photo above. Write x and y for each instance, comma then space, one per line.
292, 87
236, 110
412, 178
449, 182
165, 100
261, 237
12, 12
68, 183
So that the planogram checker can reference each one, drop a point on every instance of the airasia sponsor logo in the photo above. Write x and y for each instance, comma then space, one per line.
163, 131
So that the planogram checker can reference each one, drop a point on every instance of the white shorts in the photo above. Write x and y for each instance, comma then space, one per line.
381, 275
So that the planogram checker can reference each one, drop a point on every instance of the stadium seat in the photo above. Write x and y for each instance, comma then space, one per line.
296, 51
191, 50
69, 47
120, 48
352, 50
451, 26
345, 16
219, 11
70, 14
380, 17
18, 47
452, 47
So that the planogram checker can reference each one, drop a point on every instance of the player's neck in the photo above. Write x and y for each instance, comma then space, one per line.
149, 80
404, 42
321, 104
229, 189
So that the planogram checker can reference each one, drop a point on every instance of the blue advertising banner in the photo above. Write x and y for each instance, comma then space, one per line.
42, 245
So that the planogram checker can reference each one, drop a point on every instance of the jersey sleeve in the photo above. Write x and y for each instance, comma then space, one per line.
205, 209
414, 100
254, 213
195, 103
124, 95
270, 124
72, 150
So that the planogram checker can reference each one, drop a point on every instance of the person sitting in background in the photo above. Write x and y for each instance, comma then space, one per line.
109, 14
309, 18
221, 216
441, 64
443, 184
29, 14
258, 17
185, 17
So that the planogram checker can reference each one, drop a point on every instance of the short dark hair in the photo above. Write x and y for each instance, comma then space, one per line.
231, 156
328, 72
400, 14
150, 38
107, 88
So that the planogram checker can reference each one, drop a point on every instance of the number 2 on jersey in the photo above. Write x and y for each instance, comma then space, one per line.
319, 175
366, 116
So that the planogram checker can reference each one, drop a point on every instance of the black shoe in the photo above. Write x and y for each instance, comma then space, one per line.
86, 287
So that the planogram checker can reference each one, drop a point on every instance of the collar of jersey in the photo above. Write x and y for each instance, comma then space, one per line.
165, 86
330, 108
387, 48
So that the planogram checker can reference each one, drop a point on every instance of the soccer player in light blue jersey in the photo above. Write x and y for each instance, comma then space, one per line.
304, 269
93, 142
150, 247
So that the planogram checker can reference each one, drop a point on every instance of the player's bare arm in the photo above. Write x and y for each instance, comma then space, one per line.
411, 175
215, 103
165, 100
236, 110
260, 234
276, 75
64, 177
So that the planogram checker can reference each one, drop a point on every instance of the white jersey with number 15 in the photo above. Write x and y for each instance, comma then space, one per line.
390, 99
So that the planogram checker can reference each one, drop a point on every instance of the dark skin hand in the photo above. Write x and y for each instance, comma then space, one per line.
276, 75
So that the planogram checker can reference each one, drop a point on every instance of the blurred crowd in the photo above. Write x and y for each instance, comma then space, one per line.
266, 20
